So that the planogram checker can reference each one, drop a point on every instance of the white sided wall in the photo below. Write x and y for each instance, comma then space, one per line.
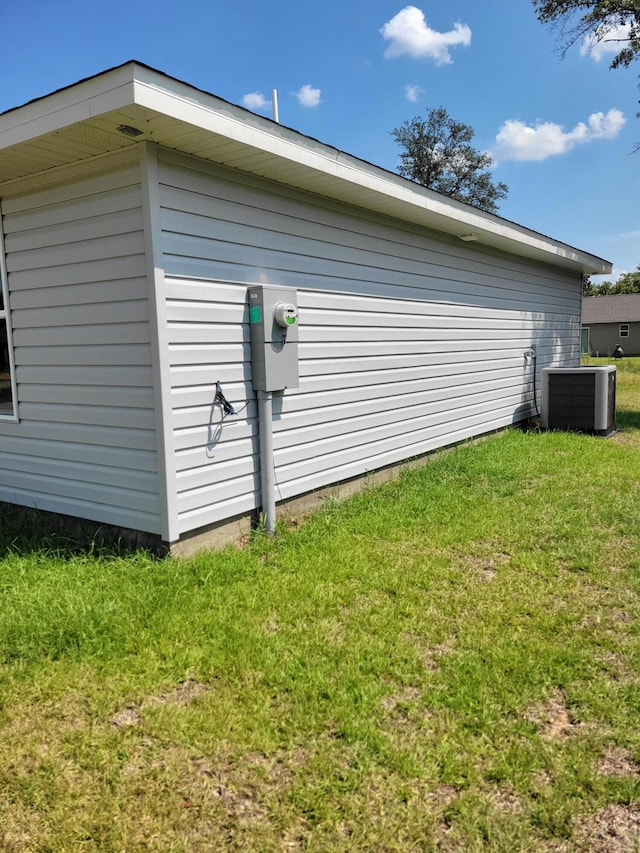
408, 342
85, 440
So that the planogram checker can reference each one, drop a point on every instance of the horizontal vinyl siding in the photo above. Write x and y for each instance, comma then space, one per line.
85, 441
408, 342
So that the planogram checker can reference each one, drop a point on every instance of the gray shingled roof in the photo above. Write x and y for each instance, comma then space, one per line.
622, 308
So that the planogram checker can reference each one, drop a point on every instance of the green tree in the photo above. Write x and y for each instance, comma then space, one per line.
629, 282
615, 21
436, 153
591, 289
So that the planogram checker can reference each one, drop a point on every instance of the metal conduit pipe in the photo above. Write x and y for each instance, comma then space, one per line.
267, 471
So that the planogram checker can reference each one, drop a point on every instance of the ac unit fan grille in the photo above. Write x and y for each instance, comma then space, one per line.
571, 401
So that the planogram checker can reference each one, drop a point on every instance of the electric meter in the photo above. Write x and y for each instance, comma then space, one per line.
285, 314
273, 324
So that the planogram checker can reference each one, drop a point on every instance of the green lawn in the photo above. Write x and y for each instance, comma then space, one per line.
447, 662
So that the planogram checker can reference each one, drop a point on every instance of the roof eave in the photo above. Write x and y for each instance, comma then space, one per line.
260, 146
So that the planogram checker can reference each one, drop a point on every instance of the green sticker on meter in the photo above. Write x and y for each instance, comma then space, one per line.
255, 314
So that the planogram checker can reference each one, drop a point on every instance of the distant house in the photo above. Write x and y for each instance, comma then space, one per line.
136, 211
611, 320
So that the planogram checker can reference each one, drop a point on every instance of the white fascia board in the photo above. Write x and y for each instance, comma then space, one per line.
111, 91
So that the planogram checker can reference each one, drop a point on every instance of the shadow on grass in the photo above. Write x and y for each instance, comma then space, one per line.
31, 531
626, 419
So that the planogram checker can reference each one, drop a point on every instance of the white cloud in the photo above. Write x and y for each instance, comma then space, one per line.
616, 272
518, 141
256, 101
408, 32
412, 93
606, 125
609, 44
308, 96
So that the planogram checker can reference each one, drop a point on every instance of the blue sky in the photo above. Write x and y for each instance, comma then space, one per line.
562, 130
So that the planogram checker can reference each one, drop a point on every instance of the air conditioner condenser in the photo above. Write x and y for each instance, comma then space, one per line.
579, 398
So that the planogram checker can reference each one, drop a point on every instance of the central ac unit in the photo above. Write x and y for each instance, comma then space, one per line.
579, 398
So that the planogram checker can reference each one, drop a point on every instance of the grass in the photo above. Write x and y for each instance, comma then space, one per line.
448, 662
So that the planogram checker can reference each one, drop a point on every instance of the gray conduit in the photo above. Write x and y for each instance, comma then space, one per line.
267, 473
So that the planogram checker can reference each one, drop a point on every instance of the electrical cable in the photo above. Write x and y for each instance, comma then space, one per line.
227, 407
535, 393
235, 411
283, 505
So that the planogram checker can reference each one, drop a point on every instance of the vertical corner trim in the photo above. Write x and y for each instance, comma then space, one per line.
159, 341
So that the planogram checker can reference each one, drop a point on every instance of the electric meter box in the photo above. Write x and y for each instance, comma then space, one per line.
273, 323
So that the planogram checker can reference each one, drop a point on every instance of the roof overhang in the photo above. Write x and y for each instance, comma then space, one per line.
82, 121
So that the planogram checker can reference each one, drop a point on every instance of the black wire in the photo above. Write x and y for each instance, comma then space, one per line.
535, 395
225, 415
283, 504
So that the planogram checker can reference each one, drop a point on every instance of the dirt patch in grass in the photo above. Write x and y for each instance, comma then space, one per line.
506, 801
403, 706
206, 797
404, 696
432, 656
126, 718
22, 830
485, 560
296, 836
181, 696
553, 717
271, 627
618, 763
222, 800
614, 829
615, 663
